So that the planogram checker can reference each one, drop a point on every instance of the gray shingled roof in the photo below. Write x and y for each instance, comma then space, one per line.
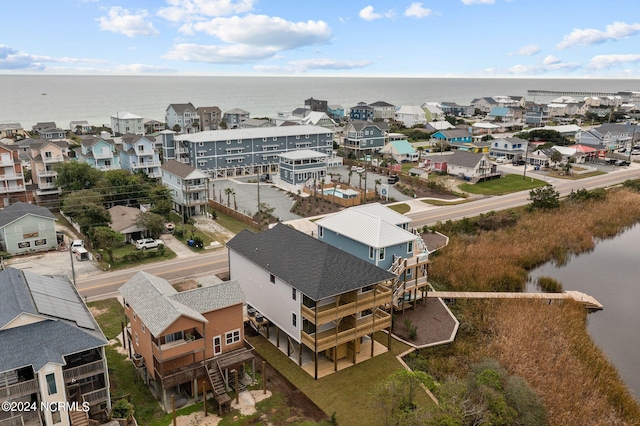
464, 159
358, 125
313, 267
455, 133
43, 342
211, 298
38, 343
179, 169
181, 108
381, 104
15, 299
16, 211
150, 298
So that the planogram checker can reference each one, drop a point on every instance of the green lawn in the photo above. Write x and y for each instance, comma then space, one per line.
155, 255
504, 185
231, 224
408, 166
400, 208
435, 202
346, 392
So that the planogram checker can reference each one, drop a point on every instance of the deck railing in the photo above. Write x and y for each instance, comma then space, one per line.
95, 397
18, 390
83, 371
12, 421
364, 326
326, 313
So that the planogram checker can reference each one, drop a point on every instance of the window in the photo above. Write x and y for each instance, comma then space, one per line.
264, 139
366, 313
18, 229
297, 136
371, 251
294, 320
135, 317
294, 294
228, 142
173, 337
232, 337
308, 327
55, 415
200, 143
51, 384
381, 254
143, 329
320, 232
272, 278
410, 247
137, 341
41, 226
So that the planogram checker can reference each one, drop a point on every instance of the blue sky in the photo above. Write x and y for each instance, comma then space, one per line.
444, 38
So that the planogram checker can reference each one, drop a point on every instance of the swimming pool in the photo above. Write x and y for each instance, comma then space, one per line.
340, 193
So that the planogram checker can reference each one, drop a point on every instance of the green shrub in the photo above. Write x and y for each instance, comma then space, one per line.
122, 409
550, 285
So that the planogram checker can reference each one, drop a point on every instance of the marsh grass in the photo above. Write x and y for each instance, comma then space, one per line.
547, 345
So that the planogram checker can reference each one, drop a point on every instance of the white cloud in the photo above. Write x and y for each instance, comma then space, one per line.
12, 59
262, 30
368, 14
528, 50
550, 60
196, 10
468, 2
608, 61
590, 36
231, 54
416, 10
304, 65
144, 69
122, 21
328, 64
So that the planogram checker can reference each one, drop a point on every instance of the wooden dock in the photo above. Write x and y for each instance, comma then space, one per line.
588, 301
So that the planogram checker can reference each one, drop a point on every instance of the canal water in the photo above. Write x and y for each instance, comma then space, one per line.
611, 274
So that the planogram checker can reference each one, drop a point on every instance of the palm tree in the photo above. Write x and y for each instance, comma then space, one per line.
235, 205
375, 188
556, 157
350, 174
228, 191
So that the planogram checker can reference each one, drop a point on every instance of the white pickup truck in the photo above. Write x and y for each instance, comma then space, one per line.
148, 243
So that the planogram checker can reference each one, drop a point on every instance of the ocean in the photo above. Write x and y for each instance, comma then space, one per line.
29, 99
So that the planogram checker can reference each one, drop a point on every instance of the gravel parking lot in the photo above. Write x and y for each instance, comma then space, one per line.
54, 263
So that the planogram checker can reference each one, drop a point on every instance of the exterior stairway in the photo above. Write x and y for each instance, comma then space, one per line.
216, 381
79, 418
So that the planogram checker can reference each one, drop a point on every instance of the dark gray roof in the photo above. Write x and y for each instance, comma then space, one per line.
455, 133
616, 128
381, 104
464, 158
313, 267
362, 108
181, 108
20, 209
15, 299
177, 168
211, 298
46, 341
358, 125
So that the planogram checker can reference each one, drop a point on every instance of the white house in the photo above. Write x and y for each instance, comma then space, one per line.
188, 187
125, 122
411, 115
469, 165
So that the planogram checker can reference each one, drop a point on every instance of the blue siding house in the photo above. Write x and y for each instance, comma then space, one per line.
98, 153
297, 167
365, 136
381, 237
454, 135
138, 154
362, 111
240, 152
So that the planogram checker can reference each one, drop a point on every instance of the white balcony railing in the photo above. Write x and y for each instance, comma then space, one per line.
139, 165
47, 185
53, 159
6, 161
103, 156
12, 176
107, 168
13, 188
47, 173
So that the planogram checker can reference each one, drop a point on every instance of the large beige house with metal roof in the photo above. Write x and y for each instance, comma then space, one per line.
182, 341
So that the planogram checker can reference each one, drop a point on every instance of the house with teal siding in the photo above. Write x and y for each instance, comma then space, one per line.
25, 228
98, 153
454, 135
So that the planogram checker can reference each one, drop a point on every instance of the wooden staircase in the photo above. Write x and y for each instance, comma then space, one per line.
79, 418
216, 380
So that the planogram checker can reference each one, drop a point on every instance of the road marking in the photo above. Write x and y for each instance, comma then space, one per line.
159, 273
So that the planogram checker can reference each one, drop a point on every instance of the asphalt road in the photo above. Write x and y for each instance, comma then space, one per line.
106, 284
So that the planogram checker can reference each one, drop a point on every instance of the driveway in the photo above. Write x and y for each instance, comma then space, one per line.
55, 263
247, 196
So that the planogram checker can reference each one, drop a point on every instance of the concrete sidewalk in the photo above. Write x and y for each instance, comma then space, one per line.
177, 247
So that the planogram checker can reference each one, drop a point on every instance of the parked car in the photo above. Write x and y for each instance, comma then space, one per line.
76, 244
519, 162
148, 243
621, 163
501, 160
357, 169
635, 152
393, 179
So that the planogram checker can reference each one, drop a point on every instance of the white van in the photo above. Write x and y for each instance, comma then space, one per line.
82, 253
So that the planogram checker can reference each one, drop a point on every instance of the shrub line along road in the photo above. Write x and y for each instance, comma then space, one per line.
106, 284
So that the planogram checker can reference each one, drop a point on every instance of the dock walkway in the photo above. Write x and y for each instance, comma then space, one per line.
588, 301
